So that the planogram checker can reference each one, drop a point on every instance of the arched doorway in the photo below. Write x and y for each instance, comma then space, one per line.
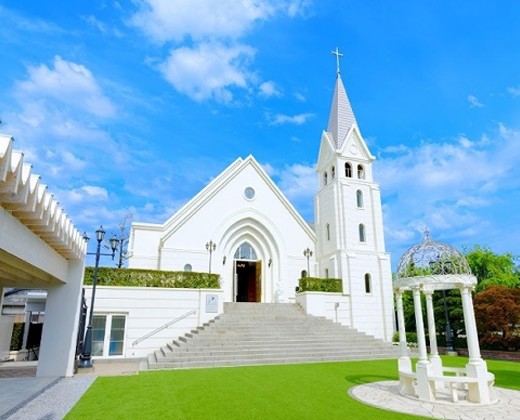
247, 274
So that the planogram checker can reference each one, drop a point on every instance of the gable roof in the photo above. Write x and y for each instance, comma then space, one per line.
214, 187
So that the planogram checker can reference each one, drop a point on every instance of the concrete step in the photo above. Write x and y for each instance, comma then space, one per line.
281, 347
265, 361
266, 354
253, 334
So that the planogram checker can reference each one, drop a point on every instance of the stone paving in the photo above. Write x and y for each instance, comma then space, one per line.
26, 397
385, 395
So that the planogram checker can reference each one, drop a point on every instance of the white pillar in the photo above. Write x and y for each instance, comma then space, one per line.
403, 345
60, 329
421, 339
435, 359
404, 364
423, 365
482, 390
470, 324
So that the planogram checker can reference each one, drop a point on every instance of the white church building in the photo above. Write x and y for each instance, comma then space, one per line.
242, 227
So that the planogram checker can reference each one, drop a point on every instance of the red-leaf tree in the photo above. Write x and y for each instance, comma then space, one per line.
497, 312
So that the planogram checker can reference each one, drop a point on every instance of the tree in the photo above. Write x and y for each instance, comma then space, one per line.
497, 312
493, 269
123, 237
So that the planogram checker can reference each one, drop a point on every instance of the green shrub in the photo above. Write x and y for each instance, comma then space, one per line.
316, 284
131, 277
411, 337
17, 337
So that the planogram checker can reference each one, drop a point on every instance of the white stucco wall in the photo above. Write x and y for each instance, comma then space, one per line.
149, 308
333, 306
222, 213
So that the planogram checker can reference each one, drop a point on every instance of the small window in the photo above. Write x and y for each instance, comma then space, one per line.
333, 172
324, 178
368, 285
359, 198
326, 273
249, 193
360, 172
328, 232
304, 274
362, 233
348, 170
188, 268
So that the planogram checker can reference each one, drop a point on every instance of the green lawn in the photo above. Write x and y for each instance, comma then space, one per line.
308, 391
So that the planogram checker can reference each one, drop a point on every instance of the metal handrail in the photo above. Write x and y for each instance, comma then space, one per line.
144, 337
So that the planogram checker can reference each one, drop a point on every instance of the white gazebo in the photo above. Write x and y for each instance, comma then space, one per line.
426, 268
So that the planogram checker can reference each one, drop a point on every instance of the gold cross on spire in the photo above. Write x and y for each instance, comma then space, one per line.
338, 55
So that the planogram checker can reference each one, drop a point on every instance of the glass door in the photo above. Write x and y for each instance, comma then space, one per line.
108, 335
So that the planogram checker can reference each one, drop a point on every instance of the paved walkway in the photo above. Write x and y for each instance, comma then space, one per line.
385, 395
23, 396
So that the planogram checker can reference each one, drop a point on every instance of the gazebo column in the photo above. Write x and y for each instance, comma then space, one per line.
403, 345
404, 364
423, 365
479, 392
435, 360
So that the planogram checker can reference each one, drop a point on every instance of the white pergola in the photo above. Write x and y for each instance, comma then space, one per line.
425, 269
40, 248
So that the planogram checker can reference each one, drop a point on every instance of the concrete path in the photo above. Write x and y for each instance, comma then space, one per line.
26, 397
385, 395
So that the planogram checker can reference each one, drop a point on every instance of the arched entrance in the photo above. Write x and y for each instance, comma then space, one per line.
247, 274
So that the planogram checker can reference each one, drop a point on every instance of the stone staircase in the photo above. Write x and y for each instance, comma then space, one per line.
266, 334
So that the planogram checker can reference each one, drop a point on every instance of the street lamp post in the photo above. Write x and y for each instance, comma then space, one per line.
449, 336
443, 268
85, 359
308, 253
210, 246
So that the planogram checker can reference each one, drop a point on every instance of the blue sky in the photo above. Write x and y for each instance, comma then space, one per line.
132, 107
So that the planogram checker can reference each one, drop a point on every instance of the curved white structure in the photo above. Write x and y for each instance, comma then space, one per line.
40, 248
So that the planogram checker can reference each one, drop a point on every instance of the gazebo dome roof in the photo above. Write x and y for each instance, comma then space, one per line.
432, 259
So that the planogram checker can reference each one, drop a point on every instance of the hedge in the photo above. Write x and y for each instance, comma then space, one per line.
316, 284
131, 277
17, 336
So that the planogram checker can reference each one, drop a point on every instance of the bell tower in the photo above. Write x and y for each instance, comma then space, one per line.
349, 221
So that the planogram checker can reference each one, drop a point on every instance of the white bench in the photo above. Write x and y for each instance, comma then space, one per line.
453, 383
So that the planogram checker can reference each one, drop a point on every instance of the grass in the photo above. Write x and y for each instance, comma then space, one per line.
307, 391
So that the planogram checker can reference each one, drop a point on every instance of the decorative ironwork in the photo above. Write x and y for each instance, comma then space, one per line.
431, 258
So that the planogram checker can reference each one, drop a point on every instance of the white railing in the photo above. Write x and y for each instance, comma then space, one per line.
169, 323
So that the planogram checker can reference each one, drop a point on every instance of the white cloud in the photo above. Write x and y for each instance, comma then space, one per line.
85, 193
208, 54
300, 97
445, 186
269, 89
176, 20
269, 169
298, 182
474, 102
66, 82
208, 71
297, 119
72, 161
514, 91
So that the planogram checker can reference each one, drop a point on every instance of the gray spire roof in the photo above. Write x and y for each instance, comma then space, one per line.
341, 117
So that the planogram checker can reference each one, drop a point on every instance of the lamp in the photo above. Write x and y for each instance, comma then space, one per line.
85, 359
210, 246
308, 253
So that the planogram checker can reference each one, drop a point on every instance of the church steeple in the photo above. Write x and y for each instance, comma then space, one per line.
341, 117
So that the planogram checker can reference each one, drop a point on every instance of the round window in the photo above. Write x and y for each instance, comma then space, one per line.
249, 192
